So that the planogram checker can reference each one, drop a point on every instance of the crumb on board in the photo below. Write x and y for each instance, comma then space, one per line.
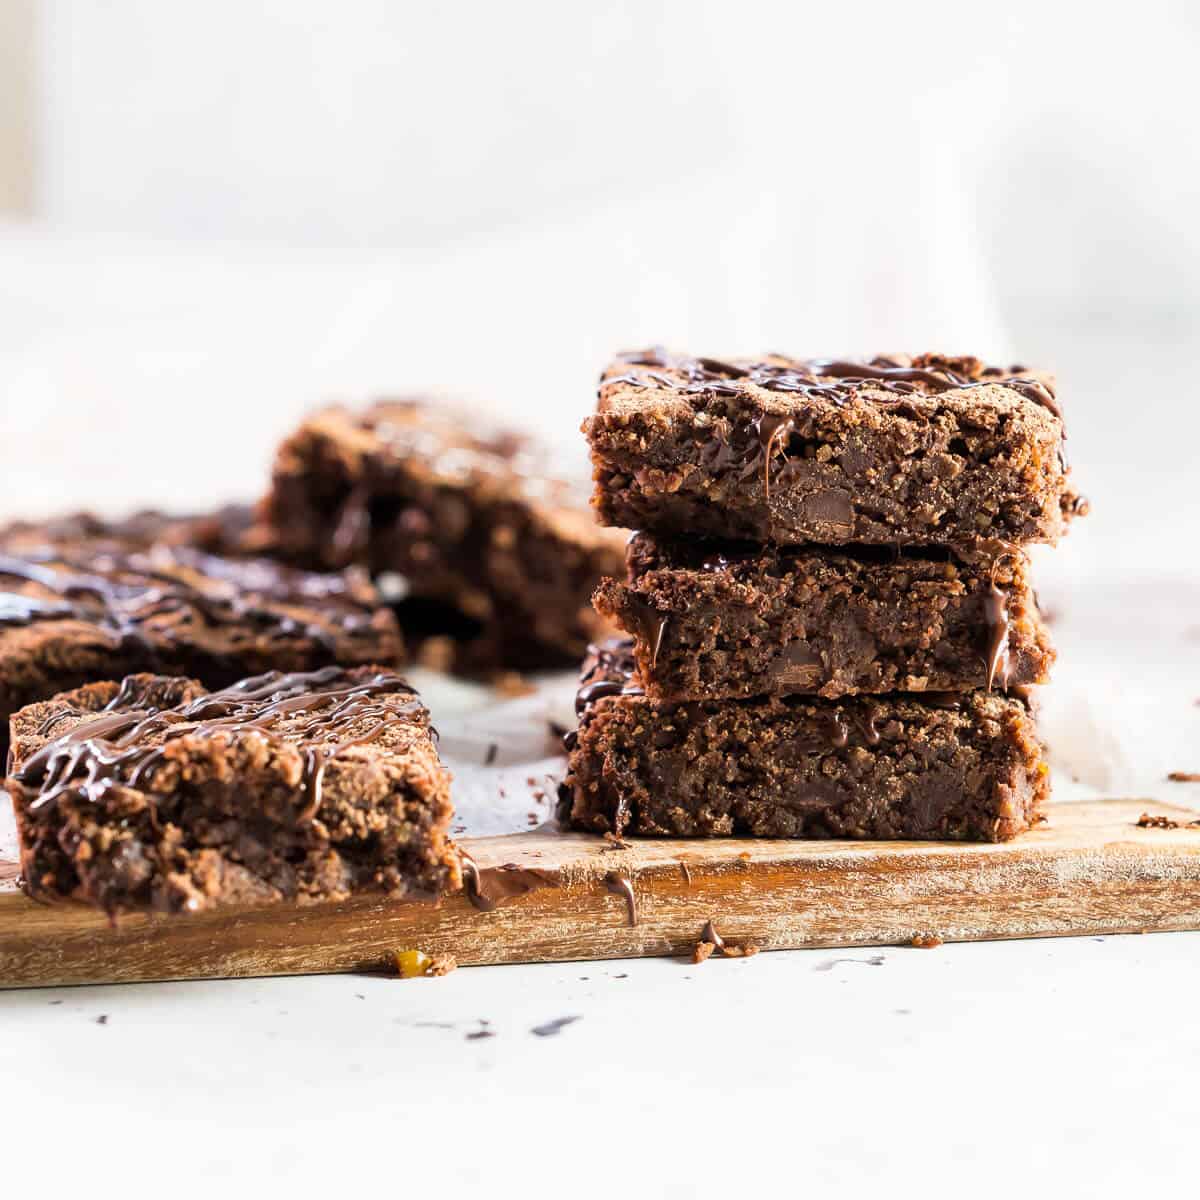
926, 941
1184, 776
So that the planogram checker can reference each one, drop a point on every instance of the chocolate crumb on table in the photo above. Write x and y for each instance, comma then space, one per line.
930, 450
155, 793
1184, 776
953, 767
82, 601
724, 620
477, 538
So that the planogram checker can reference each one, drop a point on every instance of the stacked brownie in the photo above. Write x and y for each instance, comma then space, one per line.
831, 625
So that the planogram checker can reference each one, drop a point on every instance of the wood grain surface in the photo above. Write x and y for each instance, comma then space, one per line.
559, 897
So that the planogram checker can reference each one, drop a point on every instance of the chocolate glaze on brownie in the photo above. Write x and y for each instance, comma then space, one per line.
154, 793
954, 766
91, 603
446, 509
721, 620
930, 450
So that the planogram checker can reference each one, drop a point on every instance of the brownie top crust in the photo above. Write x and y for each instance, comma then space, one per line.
159, 601
782, 384
440, 446
128, 739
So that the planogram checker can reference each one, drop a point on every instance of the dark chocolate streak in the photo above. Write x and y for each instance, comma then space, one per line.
122, 745
124, 592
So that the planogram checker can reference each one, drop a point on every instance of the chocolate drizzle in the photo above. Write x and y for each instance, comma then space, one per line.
327, 712
835, 380
621, 886
608, 671
651, 625
995, 615
489, 889
147, 600
772, 431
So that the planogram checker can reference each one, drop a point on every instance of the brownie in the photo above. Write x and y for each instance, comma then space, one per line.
232, 531
155, 793
81, 603
917, 451
722, 620
446, 511
958, 766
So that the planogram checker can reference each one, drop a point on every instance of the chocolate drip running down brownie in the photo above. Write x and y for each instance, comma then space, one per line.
468, 519
727, 620
100, 603
964, 767
923, 451
156, 794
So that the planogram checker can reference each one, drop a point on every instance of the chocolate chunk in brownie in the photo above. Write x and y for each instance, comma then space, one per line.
722, 620
83, 603
443, 510
154, 793
922, 451
962, 767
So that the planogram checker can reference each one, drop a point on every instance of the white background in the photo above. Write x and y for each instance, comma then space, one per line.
242, 209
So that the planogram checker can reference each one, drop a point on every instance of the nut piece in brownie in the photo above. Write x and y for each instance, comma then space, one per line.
922, 451
156, 794
468, 519
86, 602
962, 767
727, 620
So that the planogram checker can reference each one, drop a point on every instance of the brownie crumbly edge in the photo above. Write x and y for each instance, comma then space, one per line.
471, 519
728, 620
955, 768
155, 794
930, 450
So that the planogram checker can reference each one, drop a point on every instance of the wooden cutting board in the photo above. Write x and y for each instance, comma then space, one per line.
557, 897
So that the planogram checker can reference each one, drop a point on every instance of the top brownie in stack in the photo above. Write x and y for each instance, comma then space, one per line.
911, 451
484, 538
82, 601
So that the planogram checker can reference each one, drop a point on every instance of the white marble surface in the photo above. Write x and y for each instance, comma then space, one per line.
1059, 1067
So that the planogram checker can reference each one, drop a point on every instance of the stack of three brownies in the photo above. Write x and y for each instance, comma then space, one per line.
832, 628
